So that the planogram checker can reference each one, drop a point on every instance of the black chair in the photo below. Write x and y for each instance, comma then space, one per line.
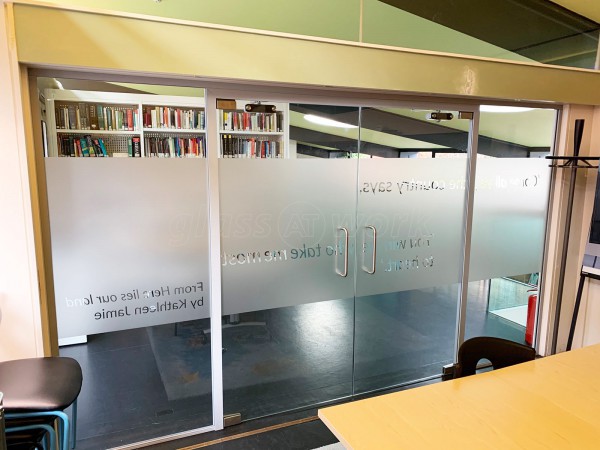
38, 390
500, 352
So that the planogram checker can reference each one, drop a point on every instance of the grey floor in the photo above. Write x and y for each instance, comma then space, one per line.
278, 365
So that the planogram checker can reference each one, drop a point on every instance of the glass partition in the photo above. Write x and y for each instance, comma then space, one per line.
126, 180
411, 208
287, 221
509, 221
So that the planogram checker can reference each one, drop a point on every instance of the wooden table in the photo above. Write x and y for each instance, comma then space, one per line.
549, 403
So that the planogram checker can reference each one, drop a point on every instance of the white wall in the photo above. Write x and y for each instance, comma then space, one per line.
20, 325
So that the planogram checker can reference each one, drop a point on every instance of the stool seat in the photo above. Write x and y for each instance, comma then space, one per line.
40, 384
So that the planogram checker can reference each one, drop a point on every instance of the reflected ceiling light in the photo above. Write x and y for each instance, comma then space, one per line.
504, 109
327, 122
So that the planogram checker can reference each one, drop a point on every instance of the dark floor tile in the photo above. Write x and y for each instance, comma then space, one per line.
308, 436
271, 440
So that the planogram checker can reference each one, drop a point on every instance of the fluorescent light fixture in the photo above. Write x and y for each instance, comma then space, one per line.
504, 109
327, 122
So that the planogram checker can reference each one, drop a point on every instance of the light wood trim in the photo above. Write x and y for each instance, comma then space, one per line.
40, 211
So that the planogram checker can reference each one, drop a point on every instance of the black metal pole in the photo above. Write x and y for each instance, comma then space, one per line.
576, 311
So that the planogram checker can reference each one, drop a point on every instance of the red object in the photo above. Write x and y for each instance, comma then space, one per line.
531, 307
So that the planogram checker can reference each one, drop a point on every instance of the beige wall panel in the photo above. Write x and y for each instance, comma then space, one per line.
20, 326
60, 37
579, 231
587, 331
588, 322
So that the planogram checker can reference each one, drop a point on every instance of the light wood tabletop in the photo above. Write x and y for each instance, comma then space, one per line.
549, 403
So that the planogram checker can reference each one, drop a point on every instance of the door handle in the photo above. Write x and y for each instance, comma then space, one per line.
373, 261
346, 238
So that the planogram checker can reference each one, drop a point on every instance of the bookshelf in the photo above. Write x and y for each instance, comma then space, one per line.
109, 124
253, 134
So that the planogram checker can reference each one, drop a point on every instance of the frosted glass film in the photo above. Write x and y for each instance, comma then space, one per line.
509, 217
414, 209
282, 241
129, 242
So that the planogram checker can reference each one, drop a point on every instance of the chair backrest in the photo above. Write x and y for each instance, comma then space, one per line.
500, 352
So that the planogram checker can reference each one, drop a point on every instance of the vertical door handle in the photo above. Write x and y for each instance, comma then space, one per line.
373, 261
346, 238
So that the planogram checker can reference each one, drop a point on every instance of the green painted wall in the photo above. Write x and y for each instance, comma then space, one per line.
337, 19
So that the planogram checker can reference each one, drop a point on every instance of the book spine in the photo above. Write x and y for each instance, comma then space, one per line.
82, 147
78, 117
72, 117
58, 116
137, 148
148, 123
84, 117
100, 115
153, 118
100, 145
94, 151
108, 117
93, 116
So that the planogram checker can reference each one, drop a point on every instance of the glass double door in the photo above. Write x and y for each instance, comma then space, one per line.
342, 246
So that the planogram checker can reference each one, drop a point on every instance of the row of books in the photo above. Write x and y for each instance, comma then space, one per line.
166, 147
82, 146
242, 147
175, 147
245, 121
92, 116
169, 117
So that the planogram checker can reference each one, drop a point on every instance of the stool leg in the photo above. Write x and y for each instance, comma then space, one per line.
74, 424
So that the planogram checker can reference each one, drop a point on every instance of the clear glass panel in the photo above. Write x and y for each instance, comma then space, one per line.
409, 244
509, 220
287, 217
527, 30
129, 240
